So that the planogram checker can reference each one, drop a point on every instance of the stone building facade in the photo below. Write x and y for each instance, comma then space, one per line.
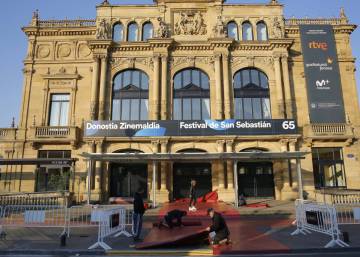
177, 59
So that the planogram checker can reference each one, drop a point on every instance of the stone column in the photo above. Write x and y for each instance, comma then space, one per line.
218, 90
227, 87
98, 169
230, 166
279, 91
163, 167
292, 148
91, 149
156, 89
287, 89
221, 177
102, 88
94, 89
155, 149
164, 87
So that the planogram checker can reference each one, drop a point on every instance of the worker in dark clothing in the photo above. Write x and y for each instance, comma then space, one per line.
219, 230
139, 211
192, 195
173, 218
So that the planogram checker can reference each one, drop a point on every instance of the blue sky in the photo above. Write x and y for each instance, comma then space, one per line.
17, 13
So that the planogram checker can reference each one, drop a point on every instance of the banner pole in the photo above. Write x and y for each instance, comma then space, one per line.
154, 184
236, 185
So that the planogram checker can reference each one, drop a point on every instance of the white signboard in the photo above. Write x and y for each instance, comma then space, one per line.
34, 217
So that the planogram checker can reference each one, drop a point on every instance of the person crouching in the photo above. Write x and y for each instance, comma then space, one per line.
173, 219
219, 232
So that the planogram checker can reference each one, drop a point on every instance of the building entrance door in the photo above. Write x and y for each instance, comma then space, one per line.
183, 173
256, 179
125, 179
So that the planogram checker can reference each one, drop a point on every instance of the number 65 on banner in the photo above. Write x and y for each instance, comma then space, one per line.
288, 125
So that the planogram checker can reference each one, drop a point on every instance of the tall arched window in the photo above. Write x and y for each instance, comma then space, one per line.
191, 95
232, 30
247, 32
261, 30
132, 32
147, 31
130, 95
251, 95
118, 32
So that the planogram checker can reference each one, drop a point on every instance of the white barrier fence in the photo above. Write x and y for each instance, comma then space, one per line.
33, 216
322, 218
348, 213
111, 221
108, 219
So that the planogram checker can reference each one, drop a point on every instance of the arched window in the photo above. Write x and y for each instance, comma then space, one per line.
191, 95
147, 31
261, 30
232, 30
251, 95
132, 32
118, 32
130, 95
247, 32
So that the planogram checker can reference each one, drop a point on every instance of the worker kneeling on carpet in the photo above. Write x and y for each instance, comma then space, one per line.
173, 218
219, 232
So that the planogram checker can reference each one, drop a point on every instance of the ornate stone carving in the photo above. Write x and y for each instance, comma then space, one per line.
250, 60
219, 28
103, 31
84, 50
130, 61
267, 60
64, 50
278, 29
190, 23
191, 60
162, 31
43, 51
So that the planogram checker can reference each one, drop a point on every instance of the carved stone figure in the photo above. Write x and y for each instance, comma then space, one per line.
278, 30
103, 31
219, 28
162, 31
190, 23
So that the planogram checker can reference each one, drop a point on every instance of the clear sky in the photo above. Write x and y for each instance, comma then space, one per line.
17, 13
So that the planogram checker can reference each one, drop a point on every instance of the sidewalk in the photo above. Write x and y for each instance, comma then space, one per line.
253, 230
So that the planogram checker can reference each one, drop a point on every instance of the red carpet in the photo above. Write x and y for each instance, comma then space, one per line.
247, 235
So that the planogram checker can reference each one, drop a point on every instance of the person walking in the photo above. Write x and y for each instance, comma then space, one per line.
139, 211
192, 195
219, 232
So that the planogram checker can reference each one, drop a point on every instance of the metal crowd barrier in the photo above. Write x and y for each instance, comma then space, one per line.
34, 216
348, 214
58, 216
312, 216
111, 221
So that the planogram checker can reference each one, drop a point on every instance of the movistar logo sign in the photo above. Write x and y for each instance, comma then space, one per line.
322, 84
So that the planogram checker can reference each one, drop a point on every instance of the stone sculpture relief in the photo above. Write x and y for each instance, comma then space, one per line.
162, 31
103, 30
219, 28
277, 28
190, 23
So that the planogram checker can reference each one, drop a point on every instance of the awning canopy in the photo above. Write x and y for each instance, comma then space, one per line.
40, 161
192, 157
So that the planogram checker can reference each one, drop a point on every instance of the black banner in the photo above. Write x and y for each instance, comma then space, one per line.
322, 74
188, 128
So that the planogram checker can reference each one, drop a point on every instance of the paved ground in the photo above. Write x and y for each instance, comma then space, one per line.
255, 229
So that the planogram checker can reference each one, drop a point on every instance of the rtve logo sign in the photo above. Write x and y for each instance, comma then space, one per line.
318, 45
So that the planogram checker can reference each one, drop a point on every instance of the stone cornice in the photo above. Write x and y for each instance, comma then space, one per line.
66, 31
338, 29
263, 46
99, 44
